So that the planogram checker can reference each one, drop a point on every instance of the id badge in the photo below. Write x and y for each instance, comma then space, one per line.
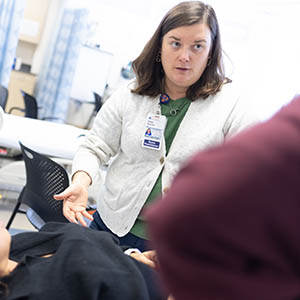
154, 131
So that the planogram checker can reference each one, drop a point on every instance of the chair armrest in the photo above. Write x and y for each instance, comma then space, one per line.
16, 108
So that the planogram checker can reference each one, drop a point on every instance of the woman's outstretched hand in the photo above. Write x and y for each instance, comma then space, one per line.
75, 199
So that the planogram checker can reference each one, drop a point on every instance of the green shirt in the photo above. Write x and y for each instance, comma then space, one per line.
172, 126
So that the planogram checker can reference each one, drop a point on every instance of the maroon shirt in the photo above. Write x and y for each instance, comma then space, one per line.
229, 227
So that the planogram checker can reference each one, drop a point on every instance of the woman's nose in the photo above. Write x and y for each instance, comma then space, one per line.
184, 55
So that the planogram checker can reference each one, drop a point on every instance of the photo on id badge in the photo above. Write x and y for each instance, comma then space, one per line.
148, 132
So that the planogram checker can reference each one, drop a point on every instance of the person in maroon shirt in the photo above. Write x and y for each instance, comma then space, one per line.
242, 202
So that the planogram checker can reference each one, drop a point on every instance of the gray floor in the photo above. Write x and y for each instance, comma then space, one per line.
12, 179
20, 222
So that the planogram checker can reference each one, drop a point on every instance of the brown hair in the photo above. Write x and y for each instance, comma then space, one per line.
149, 73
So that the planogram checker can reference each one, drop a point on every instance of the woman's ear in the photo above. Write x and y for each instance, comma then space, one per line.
208, 61
158, 56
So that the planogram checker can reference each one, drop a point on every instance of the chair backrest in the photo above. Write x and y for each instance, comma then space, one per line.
31, 107
3, 96
98, 102
44, 178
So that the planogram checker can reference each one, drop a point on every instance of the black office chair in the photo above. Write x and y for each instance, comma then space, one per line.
3, 96
98, 105
44, 178
31, 107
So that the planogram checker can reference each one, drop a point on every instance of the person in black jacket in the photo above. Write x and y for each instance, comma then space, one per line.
52, 264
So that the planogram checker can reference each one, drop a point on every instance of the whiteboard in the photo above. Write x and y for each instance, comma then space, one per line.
92, 71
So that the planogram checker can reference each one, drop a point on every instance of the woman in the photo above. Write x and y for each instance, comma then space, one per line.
68, 261
181, 94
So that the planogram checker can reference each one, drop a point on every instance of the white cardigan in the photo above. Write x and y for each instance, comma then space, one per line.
118, 131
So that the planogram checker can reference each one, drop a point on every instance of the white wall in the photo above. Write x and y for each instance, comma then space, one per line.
45, 46
261, 37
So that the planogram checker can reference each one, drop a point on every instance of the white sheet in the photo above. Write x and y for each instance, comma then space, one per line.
1, 117
49, 138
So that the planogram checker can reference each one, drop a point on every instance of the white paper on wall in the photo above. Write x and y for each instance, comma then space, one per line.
91, 73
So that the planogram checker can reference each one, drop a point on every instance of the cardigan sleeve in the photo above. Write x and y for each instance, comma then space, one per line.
103, 140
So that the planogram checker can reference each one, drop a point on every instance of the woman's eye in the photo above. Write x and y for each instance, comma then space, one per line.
175, 44
198, 47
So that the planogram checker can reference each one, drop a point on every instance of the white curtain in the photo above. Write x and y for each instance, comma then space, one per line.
54, 88
11, 16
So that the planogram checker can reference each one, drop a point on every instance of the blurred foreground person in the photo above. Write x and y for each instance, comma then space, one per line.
241, 202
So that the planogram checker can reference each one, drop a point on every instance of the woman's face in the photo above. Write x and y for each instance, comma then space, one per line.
5, 240
184, 54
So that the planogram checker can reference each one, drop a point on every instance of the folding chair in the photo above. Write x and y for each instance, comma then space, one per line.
98, 105
31, 107
44, 178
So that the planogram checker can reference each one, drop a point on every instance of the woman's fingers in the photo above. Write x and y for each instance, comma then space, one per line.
69, 214
73, 191
59, 196
76, 214
142, 258
67, 193
74, 206
87, 215
151, 254
80, 219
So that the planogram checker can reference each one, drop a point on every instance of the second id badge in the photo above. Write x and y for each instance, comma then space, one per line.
154, 131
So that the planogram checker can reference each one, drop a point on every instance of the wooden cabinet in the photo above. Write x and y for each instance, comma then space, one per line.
34, 18
19, 81
35, 15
